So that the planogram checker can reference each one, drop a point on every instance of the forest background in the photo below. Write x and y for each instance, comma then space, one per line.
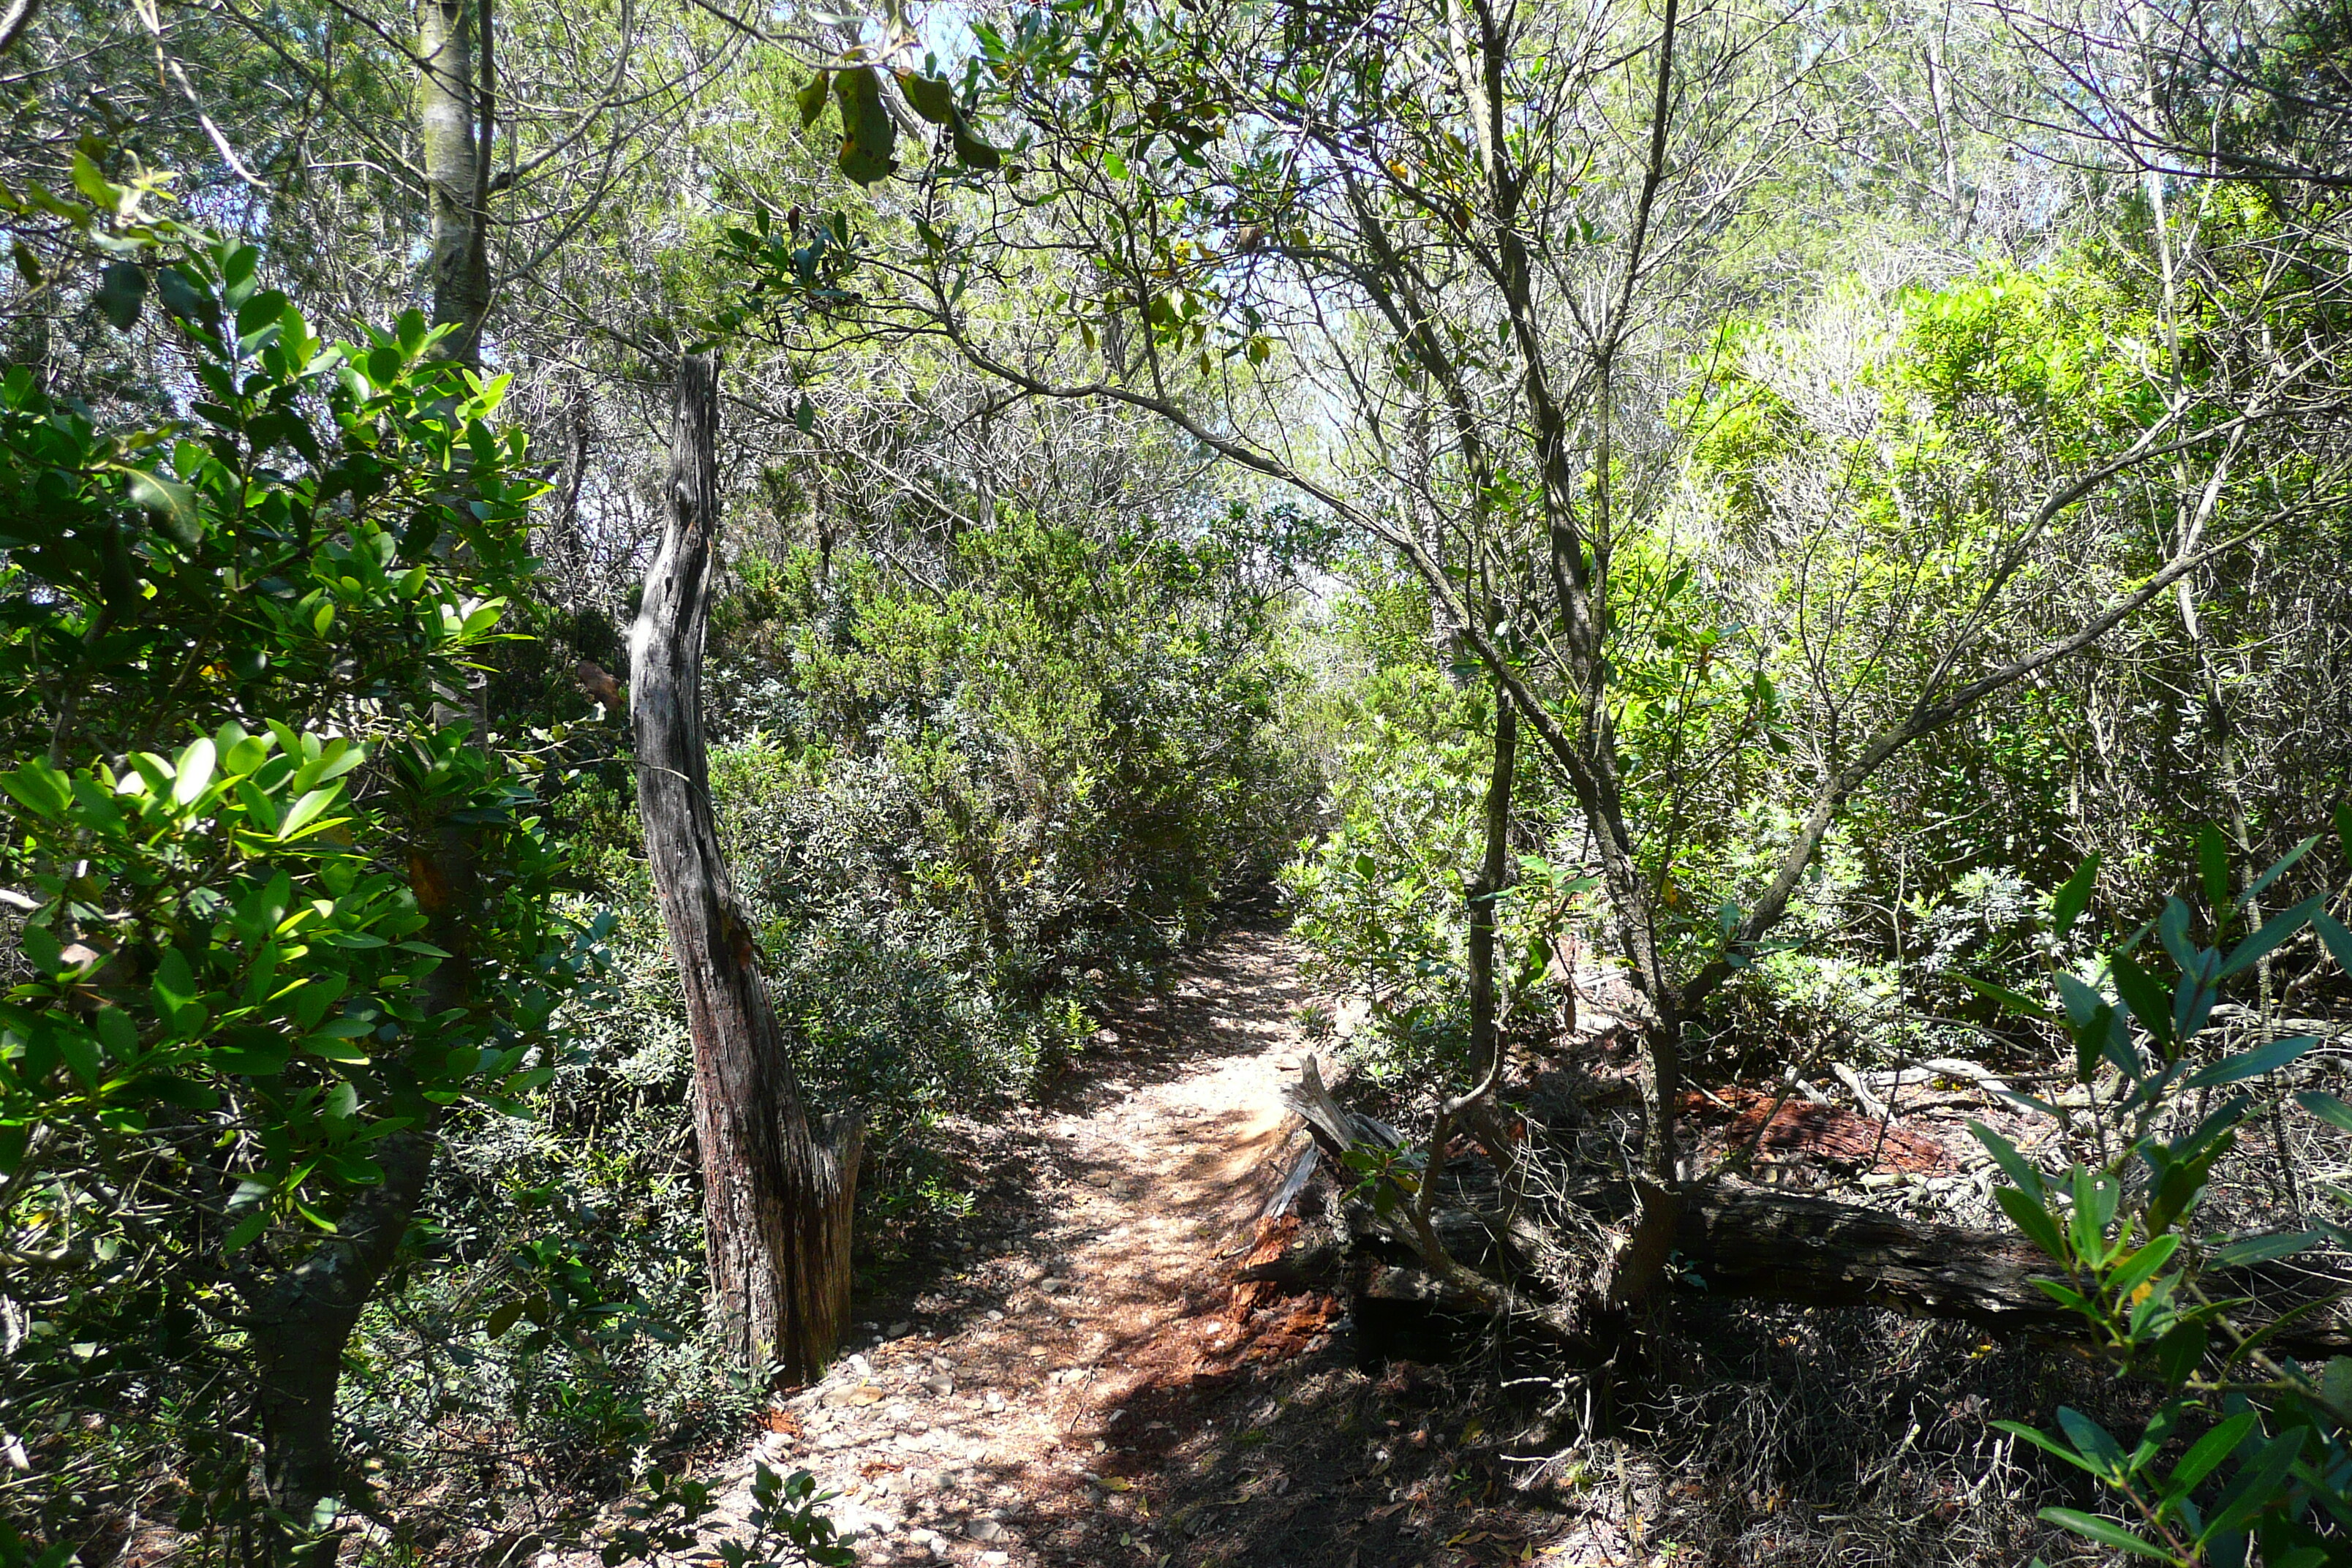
1828, 516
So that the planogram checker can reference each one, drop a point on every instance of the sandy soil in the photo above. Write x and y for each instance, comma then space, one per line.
990, 1423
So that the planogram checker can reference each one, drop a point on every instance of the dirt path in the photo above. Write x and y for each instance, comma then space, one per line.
1007, 1418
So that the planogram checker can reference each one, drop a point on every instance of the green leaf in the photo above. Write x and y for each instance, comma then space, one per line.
413, 330
2047, 1444
187, 297
2172, 929
2136, 1270
868, 133
972, 149
2015, 1165
43, 948
2038, 1225
2262, 1248
2083, 1003
100, 192
2257, 1486
2094, 1441
2254, 890
2276, 930
193, 770
339, 757
2335, 938
2142, 995
246, 1232
2101, 1531
39, 789
333, 1049
2213, 870
2210, 1450
2328, 1108
2096, 1199
933, 99
75, 1045
2180, 1352
122, 290
307, 810
2251, 1064
2067, 906
810, 99
2010, 999
172, 504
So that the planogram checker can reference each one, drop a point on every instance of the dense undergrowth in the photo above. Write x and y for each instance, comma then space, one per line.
1124, 511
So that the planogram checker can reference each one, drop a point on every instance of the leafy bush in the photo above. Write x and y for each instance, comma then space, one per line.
278, 923
963, 802
2248, 1452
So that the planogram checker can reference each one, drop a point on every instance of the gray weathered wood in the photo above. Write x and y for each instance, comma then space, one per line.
777, 1191
1747, 1243
1781, 1246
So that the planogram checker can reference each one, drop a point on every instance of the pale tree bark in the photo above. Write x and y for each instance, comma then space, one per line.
454, 108
777, 1192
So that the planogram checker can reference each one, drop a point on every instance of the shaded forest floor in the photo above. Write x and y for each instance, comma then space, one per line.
1087, 1384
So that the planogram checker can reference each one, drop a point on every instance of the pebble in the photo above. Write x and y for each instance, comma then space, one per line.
996, 1557
940, 1386
983, 1529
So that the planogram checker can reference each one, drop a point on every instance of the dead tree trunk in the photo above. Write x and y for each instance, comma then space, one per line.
776, 1193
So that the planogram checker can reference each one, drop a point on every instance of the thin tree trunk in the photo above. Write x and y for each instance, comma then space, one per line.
303, 1317
453, 113
776, 1193
301, 1321
1494, 875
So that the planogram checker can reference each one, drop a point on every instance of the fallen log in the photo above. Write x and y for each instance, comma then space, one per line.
1757, 1245
1781, 1246
1775, 1246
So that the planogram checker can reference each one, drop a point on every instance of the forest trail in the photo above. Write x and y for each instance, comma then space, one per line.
1010, 1412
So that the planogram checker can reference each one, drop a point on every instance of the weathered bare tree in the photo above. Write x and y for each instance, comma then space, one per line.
777, 1191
